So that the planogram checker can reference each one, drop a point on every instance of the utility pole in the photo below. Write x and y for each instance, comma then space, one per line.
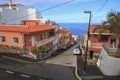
88, 34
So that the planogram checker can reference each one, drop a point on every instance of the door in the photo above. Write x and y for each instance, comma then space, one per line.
113, 42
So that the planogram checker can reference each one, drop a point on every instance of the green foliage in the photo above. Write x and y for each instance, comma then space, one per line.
42, 49
112, 25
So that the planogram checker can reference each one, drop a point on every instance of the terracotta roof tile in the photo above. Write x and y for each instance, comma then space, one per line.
25, 28
6, 4
92, 27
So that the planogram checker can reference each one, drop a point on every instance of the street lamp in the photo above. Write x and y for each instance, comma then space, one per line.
88, 34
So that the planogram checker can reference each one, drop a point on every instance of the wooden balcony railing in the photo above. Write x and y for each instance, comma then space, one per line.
42, 42
96, 45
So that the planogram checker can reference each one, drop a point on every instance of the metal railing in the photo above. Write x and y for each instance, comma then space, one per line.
112, 51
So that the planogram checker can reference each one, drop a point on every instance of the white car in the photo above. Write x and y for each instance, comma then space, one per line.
64, 47
76, 51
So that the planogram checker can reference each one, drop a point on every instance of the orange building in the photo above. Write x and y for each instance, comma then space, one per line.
65, 37
95, 42
60, 37
26, 37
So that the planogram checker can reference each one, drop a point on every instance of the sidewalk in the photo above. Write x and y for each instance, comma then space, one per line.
92, 72
17, 57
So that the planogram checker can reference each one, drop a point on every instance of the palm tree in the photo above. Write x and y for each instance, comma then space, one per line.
112, 25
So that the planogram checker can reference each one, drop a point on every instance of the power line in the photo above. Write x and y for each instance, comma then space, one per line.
102, 6
42, 10
100, 9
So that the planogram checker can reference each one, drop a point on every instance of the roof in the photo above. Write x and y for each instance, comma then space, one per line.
92, 27
30, 20
60, 29
14, 4
25, 28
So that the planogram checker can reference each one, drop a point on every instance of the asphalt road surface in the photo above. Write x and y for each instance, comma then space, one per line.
60, 67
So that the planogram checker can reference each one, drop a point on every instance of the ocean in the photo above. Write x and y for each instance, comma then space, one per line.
76, 28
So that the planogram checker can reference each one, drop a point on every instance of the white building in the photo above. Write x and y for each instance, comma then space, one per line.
14, 13
75, 37
33, 14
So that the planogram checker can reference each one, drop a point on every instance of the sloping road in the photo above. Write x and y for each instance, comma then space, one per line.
66, 58
60, 67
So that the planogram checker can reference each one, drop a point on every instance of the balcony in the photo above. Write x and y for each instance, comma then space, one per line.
45, 41
95, 46
113, 52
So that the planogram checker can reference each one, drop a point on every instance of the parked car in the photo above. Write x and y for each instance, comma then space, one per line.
78, 46
76, 51
64, 47
72, 43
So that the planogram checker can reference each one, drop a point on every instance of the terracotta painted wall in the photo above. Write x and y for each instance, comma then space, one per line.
9, 39
28, 39
96, 40
31, 23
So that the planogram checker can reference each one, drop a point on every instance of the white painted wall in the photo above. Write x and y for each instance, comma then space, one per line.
34, 14
10, 16
109, 65
75, 37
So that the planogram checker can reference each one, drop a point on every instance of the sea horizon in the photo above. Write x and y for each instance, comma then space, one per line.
77, 28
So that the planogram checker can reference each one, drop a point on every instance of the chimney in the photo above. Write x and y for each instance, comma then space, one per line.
31, 7
10, 2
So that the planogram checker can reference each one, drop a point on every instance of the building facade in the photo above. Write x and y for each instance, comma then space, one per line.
64, 37
96, 42
27, 37
14, 13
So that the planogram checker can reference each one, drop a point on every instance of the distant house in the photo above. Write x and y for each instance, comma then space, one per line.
55, 42
64, 37
96, 42
75, 37
29, 36
60, 37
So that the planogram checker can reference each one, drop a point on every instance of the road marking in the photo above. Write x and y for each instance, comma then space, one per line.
10, 72
23, 75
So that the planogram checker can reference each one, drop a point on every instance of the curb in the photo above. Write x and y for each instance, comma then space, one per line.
27, 62
76, 72
22, 61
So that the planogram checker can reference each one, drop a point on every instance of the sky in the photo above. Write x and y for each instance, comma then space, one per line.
72, 12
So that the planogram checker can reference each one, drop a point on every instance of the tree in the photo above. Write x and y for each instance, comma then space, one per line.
112, 25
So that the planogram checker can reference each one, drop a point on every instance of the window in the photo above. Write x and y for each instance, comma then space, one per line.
2, 39
34, 40
46, 35
15, 40
104, 38
14, 8
40, 36
51, 34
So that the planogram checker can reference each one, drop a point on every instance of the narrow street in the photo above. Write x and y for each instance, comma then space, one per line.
60, 67
66, 58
